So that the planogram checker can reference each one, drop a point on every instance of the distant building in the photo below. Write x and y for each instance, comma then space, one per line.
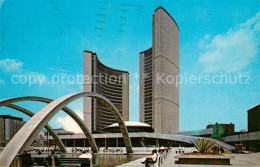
159, 70
254, 119
9, 126
220, 129
250, 139
109, 82
61, 131
39, 140
132, 126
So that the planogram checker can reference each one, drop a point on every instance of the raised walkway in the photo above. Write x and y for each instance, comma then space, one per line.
174, 137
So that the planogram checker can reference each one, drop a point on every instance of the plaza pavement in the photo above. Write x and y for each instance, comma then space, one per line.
236, 160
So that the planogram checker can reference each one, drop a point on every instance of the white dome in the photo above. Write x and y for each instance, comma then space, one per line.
131, 123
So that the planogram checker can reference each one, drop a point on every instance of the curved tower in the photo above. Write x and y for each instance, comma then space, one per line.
159, 69
113, 84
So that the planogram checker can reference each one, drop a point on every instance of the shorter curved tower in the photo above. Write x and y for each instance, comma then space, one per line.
109, 82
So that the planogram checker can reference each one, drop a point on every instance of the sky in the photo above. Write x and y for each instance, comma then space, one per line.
42, 44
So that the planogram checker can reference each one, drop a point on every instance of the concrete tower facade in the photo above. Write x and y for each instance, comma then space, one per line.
113, 84
159, 69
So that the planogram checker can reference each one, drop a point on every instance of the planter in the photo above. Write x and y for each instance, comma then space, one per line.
203, 159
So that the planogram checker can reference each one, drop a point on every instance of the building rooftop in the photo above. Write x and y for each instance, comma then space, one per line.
252, 109
160, 7
11, 117
131, 123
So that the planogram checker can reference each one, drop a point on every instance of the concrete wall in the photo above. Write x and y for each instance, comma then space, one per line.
8, 128
166, 64
2, 134
87, 87
125, 104
141, 83
253, 119
250, 136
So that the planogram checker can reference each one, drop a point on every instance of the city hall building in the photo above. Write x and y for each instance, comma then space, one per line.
109, 82
159, 99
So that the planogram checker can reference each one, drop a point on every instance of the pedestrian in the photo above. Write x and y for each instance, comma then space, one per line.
221, 150
151, 160
26, 159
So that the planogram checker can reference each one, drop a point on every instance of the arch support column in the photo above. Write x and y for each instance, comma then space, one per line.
47, 127
73, 115
25, 136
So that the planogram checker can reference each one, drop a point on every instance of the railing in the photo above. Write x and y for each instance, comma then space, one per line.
52, 161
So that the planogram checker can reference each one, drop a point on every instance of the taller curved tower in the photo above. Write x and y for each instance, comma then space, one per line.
109, 82
159, 69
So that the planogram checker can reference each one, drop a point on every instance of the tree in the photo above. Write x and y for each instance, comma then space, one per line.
202, 145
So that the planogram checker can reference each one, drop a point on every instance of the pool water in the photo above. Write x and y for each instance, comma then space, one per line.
101, 160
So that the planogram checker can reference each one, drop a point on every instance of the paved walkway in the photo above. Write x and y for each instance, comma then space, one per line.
169, 160
135, 163
236, 160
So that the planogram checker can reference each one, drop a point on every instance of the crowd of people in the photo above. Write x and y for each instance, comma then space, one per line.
79, 150
217, 149
43, 150
26, 158
106, 149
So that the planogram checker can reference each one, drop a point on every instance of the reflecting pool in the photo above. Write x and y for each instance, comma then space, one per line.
100, 160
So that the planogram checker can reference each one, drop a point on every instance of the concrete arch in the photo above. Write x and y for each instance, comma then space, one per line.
29, 131
47, 127
73, 115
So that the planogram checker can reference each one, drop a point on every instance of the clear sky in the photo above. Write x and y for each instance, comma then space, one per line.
46, 38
